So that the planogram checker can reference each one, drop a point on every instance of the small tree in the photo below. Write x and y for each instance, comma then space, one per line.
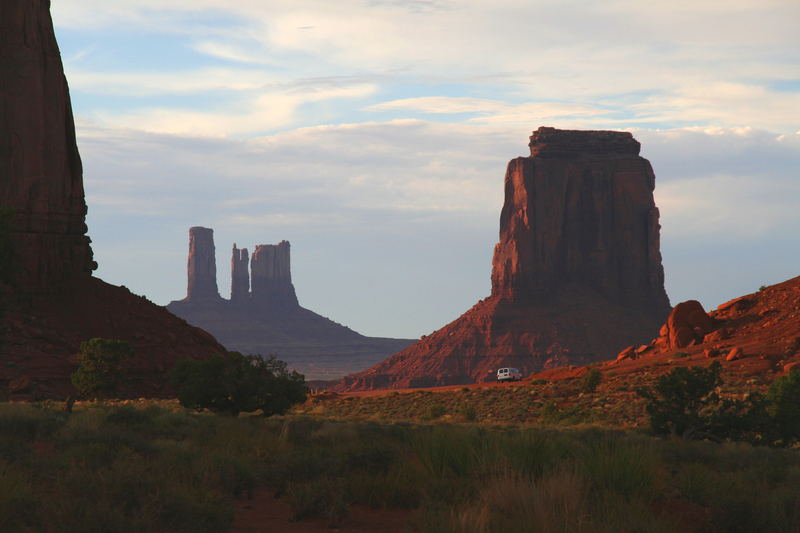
782, 406
232, 383
684, 401
100, 366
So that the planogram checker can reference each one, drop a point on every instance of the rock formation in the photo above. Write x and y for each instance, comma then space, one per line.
50, 302
240, 275
580, 212
41, 176
271, 275
754, 335
267, 318
202, 266
576, 276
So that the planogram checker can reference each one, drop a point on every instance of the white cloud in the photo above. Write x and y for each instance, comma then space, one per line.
267, 111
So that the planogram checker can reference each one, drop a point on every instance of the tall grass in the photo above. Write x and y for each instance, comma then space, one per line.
147, 469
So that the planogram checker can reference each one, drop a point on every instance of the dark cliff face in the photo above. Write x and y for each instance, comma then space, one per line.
580, 212
53, 303
576, 275
40, 168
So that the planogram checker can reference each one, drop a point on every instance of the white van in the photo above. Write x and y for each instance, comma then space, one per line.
508, 374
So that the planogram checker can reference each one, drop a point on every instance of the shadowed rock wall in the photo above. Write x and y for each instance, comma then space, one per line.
52, 303
240, 275
40, 168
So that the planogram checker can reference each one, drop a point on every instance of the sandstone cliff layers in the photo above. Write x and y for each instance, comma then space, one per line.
50, 302
576, 274
263, 315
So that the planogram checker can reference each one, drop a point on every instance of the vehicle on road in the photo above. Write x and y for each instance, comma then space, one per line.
508, 374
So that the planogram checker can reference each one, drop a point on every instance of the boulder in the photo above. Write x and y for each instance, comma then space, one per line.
734, 354
687, 324
627, 353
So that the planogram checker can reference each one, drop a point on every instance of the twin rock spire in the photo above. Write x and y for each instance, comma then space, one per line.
265, 279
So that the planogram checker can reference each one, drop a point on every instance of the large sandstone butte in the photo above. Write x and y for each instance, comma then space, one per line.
263, 315
576, 275
50, 301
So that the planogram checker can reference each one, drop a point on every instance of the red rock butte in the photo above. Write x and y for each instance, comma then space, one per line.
50, 301
576, 275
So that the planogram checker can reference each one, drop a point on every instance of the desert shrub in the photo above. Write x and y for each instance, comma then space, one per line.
469, 413
591, 380
782, 405
100, 366
232, 383
320, 498
682, 401
435, 411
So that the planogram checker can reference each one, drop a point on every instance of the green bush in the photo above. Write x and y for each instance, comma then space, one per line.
682, 401
232, 383
100, 366
591, 380
782, 406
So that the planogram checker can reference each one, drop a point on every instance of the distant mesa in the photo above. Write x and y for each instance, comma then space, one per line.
263, 315
50, 301
576, 275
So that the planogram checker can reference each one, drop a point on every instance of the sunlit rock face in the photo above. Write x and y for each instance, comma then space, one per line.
41, 177
576, 275
580, 212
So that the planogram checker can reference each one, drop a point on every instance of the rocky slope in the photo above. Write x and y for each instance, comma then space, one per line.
49, 302
754, 335
263, 315
576, 276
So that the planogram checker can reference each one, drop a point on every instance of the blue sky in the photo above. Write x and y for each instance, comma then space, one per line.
374, 136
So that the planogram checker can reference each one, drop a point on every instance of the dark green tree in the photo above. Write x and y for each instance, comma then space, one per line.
100, 366
684, 401
231, 383
782, 406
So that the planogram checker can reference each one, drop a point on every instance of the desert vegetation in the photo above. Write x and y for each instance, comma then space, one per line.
101, 366
152, 466
231, 383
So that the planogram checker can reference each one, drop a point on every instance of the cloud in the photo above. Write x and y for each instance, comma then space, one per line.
261, 112
609, 64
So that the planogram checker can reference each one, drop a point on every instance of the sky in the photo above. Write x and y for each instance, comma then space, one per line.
374, 136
